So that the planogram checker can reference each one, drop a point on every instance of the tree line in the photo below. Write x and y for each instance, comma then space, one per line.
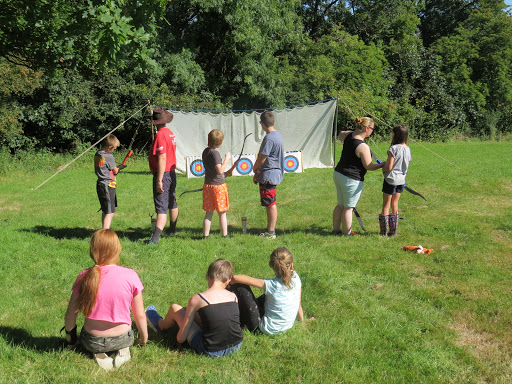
72, 70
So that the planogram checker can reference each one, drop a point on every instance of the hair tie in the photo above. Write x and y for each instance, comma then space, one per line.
96, 265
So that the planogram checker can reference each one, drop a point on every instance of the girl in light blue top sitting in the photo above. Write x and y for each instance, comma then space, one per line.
276, 310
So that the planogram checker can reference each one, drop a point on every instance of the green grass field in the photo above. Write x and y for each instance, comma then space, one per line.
384, 315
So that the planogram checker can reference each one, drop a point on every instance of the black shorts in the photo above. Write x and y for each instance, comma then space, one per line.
391, 189
166, 200
107, 197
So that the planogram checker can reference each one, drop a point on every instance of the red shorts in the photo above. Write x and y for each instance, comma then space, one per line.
267, 195
215, 198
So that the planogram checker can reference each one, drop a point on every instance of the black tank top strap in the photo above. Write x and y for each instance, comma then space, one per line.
202, 297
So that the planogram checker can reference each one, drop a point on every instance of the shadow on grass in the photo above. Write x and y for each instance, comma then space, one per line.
133, 234
192, 233
21, 338
323, 231
167, 339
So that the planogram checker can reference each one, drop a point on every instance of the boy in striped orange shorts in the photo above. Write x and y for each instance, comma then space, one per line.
215, 190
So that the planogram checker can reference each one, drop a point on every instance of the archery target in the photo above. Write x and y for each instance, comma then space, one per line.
290, 163
293, 162
245, 165
195, 166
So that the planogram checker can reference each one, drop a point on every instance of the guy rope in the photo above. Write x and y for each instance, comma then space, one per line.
92, 146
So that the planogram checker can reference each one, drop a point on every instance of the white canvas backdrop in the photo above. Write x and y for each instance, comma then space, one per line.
307, 128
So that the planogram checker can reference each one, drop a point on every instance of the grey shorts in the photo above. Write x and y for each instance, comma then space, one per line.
97, 344
107, 197
166, 200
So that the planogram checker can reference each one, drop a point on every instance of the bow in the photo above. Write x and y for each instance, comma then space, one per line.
225, 173
188, 191
130, 152
228, 173
359, 219
410, 190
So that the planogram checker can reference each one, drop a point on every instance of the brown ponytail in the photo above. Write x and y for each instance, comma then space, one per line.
280, 261
105, 249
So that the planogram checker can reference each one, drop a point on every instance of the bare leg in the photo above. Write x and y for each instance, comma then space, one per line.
336, 218
223, 223
346, 220
207, 222
175, 315
161, 220
386, 203
394, 203
106, 220
271, 217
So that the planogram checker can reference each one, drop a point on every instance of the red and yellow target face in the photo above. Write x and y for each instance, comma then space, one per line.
197, 168
291, 163
244, 166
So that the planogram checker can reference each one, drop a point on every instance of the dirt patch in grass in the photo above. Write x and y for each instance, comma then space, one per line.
11, 206
493, 353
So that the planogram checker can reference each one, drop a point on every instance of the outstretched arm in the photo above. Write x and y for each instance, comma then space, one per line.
364, 153
70, 319
300, 313
343, 134
248, 280
220, 168
139, 316
188, 321
389, 163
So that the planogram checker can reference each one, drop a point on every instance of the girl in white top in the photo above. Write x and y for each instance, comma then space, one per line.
276, 310
395, 170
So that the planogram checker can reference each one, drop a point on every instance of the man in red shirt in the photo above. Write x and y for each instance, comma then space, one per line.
162, 164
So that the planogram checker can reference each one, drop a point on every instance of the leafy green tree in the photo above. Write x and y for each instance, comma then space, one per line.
246, 48
440, 18
476, 62
86, 34
15, 82
320, 16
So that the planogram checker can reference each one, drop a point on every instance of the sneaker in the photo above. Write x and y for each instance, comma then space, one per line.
170, 234
336, 233
267, 235
122, 356
104, 361
152, 316
351, 233
151, 242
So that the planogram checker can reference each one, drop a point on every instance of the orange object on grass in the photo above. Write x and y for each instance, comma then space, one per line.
417, 249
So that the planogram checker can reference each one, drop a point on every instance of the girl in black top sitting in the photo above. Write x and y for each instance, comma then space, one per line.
219, 332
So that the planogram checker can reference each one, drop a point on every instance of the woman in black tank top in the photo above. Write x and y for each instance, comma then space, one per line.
349, 174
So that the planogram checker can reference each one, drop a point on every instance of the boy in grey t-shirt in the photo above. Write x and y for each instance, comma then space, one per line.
269, 170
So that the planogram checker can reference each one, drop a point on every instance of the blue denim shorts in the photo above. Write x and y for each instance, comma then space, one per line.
196, 343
